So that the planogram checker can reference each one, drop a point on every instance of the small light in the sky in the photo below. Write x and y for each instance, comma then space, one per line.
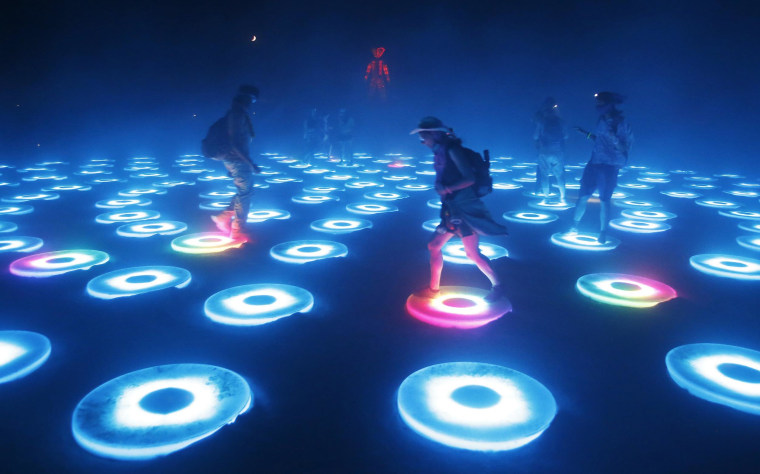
253, 39
195, 115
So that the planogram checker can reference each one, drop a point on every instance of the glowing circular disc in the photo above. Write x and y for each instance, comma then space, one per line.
544, 204
281, 180
320, 189
716, 203
750, 226
370, 208
156, 411
21, 353
121, 203
340, 226
639, 226
19, 244
647, 215
748, 241
152, 228
217, 195
454, 252
204, 242
431, 225
16, 210
254, 305
583, 241
435, 203
302, 251
457, 307
635, 204
126, 216
385, 196
413, 187
506, 186
339, 177
261, 215
739, 193
728, 266
32, 197
214, 205
530, 217
719, 373
135, 280
48, 264
739, 214
310, 199
8, 227
67, 187
141, 192
624, 290
363, 184
475, 406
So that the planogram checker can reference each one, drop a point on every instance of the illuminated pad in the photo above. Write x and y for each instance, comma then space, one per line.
313, 199
475, 406
135, 280
302, 251
457, 307
414, 187
340, 226
583, 241
647, 215
32, 197
454, 252
135, 192
8, 227
639, 227
156, 411
530, 217
254, 305
727, 266
21, 352
728, 375
624, 290
739, 214
506, 186
385, 196
48, 264
139, 229
204, 242
214, 205
261, 215
370, 208
748, 241
716, 203
751, 227
121, 203
635, 204
126, 216
19, 244
16, 210
544, 204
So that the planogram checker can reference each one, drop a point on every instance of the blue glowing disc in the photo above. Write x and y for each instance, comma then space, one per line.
261, 215
283, 179
363, 184
136, 280
647, 215
137, 192
204, 242
583, 241
340, 226
217, 195
748, 241
727, 266
544, 204
719, 373
67, 187
254, 305
413, 187
156, 411
370, 208
214, 205
624, 290
118, 217
19, 244
339, 177
122, 203
320, 189
385, 196
8, 227
21, 353
302, 251
48, 264
140, 229
431, 225
741, 214
454, 252
639, 226
530, 217
506, 186
635, 204
750, 226
435, 203
740, 193
717, 203
313, 199
458, 307
32, 197
475, 406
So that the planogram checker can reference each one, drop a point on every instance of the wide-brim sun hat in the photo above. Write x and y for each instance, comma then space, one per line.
430, 124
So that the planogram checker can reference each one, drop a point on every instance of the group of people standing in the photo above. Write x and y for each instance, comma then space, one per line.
334, 136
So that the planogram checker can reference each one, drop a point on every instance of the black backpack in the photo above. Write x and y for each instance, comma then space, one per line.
217, 142
481, 166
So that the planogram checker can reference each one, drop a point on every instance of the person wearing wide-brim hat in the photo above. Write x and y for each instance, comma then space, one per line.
463, 214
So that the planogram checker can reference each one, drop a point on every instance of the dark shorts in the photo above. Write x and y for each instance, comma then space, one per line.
599, 176
453, 224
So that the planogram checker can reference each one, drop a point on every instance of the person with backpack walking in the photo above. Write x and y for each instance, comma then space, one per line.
612, 142
462, 212
229, 141
550, 136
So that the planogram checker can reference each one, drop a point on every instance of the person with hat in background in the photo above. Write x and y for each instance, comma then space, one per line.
462, 212
550, 137
612, 142
239, 164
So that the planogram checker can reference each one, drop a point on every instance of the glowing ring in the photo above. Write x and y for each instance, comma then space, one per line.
718, 373
68, 187
748, 241
21, 353
363, 184
639, 226
583, 242
385, 196
475, 406
647, 215
320, 189
748, 194
20, 244
717, 203
204, 242
701, 186
507, 186
705, 179
211, 177
543, 204
435, 203
340, 226
261, 215
749, 226
18, 210
32, 197
48, 264
8, 227
121, 203
151, 228
136, 280
214, 205
431, 225
530, 217
728, 266
339, 177
370, 208
309, 199
636, 186
653, 180
748, 215
457, 307
156, 411
303, 251
254, 305
413, 187
126, 216
141, 192
453, 252
624, 290
217, 195
283, 180
635, 204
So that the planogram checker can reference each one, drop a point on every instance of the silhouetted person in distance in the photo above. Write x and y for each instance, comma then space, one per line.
612, 142
343, 136
550, 137
313, 135
462, 212
239, 164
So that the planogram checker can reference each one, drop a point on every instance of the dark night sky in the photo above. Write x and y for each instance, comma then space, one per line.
86, 79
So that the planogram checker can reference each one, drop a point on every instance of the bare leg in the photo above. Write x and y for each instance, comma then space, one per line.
580, 209
472, 251
436, 258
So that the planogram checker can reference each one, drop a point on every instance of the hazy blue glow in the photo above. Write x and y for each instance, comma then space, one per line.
55, 263
32, 197
635, 204
310, 199
303, 251
717, 203
742, 214
727, 266
21, 353
20, 244
750, 226
121, 203
257, 304
413, 187
137, 280
136, 192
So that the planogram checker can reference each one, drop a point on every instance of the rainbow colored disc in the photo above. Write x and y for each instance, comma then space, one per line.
204, 242
459, 307
19, 244
727, 266
257, 304
48, 264
624, 290
303, 251
136, 280
21, 353
340, 226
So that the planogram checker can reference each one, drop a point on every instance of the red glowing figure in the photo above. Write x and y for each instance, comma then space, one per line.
377, 75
